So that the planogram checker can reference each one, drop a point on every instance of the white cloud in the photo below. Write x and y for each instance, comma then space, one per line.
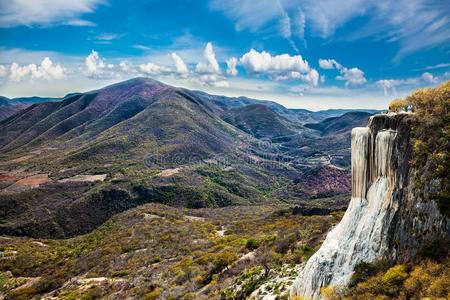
79, 23
231, 66
180, 66
212, 66
389, 86
328, 64
97, 68
153, 69
126, 66
213, 80
279, 67
352, 77
428, 77
208, 72
46, 70
311, 78
46, 12
3, 71
259, 62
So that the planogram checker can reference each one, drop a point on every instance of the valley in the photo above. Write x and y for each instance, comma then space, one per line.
140, 190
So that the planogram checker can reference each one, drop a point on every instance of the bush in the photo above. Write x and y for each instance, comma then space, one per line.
252, 244
303, 253
223, 260
394, 278
365, 270
154, 294
329, 293
398, 105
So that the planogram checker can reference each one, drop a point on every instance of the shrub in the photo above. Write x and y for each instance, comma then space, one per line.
303, 253
252, 244
223, 260
154, 294
394, 278
398, 105
365, 270
329, 293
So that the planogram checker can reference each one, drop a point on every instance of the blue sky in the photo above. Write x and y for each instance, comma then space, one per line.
304, 54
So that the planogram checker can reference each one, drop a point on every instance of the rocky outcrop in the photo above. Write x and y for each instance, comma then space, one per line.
388, 218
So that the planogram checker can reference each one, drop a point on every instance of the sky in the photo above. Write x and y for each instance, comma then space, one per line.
313, 54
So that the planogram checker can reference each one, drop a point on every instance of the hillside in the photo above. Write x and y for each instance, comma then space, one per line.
340, 124
261, 122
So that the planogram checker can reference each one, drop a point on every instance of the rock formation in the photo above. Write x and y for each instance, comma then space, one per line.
387, 217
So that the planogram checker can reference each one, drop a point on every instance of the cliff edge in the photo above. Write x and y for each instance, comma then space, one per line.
390, 216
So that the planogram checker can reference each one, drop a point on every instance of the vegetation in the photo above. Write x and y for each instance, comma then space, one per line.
160, 252
398, 105
424, 279
430, 136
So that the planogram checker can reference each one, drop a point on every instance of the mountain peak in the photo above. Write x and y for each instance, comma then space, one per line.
137, 81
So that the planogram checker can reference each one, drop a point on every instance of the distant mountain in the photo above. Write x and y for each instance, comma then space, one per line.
35, 99
330, 113
296, 115
8, 107
261, 122
341, 124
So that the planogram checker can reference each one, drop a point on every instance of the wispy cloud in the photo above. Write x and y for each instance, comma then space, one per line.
438, 66
141, 47
108, 36
46, 12
413, 24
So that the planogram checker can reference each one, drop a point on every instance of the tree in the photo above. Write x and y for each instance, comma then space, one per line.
398, 105
268, 259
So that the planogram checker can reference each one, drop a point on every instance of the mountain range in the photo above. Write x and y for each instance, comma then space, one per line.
72, 163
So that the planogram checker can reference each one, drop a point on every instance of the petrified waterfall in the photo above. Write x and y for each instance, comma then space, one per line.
361, 234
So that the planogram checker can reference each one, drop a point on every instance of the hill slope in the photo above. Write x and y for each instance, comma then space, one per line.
340, 124
261, 122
